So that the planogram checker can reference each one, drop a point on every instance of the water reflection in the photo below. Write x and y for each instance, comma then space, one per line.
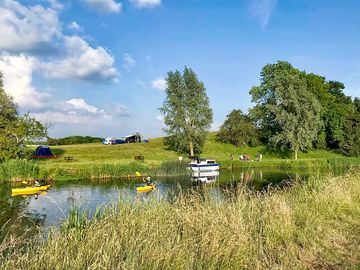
17, 214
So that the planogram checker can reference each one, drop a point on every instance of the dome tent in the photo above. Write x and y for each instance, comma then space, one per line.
43, 151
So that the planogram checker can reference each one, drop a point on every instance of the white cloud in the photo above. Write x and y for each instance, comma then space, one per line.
78, 111
27, 28
261, 10
81, 62
146, 3
17, 72
121, 110
79, 103
55, 4
129, 62
159, 84
74, 26
104, 6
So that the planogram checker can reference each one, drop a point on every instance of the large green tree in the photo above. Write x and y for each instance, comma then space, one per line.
237, 129
351, 143
186, 110
15, 130
336, 107
285, 109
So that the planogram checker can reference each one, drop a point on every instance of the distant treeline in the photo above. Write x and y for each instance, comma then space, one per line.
74, 140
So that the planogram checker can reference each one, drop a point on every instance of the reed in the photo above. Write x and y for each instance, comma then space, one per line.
172, 168
13, 170
306, 226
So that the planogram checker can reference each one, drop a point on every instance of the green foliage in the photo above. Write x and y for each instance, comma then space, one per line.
74, 140
186, 110
16, 130
336, 107
351, 143
285, 108
238, 130
173, 168
19, 170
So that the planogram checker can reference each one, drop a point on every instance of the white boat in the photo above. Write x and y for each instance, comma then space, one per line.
204, 165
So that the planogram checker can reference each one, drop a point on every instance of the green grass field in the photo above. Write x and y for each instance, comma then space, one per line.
114, 161
155, 153
307, 226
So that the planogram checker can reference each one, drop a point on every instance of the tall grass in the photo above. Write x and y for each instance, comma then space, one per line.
18, 170
172, 168
311, 226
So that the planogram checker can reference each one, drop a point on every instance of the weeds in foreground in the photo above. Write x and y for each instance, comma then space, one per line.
310, 226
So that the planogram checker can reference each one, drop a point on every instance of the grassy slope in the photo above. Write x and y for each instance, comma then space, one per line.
116, 161
311, 226
155, 153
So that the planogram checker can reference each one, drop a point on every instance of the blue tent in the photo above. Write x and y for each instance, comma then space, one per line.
43, 151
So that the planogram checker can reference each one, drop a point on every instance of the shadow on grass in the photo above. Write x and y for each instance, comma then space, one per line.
58, 151
283, 154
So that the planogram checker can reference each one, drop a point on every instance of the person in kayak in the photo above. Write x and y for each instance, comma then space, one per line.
148, 181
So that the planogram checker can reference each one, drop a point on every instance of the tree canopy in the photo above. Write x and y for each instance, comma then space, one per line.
186, 110
285, 109
238, 130
16, 130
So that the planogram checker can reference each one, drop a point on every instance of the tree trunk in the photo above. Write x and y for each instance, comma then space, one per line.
296, 154
191, 146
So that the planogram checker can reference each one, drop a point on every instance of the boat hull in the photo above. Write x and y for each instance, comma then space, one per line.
145, 189
28, 190
204, 167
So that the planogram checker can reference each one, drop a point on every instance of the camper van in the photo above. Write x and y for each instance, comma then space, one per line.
110, 140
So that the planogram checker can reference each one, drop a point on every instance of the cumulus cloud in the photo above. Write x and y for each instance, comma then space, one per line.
78, 111
261, 10
120, 110
82, 62
74, 26
34, 30
145, 3
129, 62
79, 103
25, 28
159, 84
104, 6
17, 72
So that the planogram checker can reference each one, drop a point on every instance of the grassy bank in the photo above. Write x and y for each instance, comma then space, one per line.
311, 226
116, 161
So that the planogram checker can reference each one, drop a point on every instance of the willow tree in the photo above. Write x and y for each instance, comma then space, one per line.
286, 108
186, 111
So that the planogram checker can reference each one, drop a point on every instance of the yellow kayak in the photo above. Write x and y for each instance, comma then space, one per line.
28, 190
145, 188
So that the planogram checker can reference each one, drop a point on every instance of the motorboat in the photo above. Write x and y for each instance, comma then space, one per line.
204, 165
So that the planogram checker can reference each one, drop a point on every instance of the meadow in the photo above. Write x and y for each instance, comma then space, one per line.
117, 161
304, 226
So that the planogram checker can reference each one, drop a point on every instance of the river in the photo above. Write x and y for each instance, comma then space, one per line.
20, 213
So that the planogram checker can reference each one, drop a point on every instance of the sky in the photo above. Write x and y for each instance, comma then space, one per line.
97, 67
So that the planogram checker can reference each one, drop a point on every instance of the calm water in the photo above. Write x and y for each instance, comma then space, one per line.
17, 214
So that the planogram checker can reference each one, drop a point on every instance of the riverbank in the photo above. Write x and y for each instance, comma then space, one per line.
306, 226
97, 161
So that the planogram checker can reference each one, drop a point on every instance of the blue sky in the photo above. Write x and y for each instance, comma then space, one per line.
96, 67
